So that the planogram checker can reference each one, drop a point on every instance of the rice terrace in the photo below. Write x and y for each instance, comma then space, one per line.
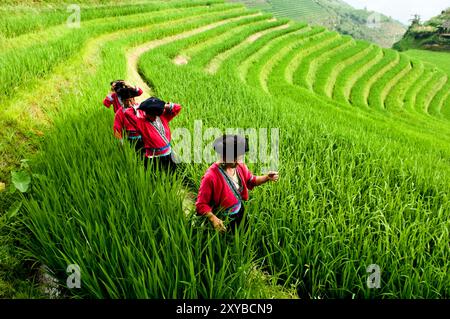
351, 139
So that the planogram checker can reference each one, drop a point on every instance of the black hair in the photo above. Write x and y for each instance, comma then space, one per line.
115, 81
126, 93
118, 84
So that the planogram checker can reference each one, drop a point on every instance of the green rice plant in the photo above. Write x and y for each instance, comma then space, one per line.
445, 109
119, 16
182, 92
304, 75
412, 124
361, 89
259, 71
189, 47
381, 88
350, 75
204, 41
216, 63
329, 71
412, 93
397, 97
439, 99
235, 64
198, 42
312, 45
19, 136
253, 57
106, 279
208, 54
427, 93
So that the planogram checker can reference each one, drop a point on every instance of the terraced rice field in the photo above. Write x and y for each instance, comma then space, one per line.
298, 10
364, 155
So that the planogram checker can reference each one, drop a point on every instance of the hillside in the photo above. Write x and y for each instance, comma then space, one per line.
430, 35
335, 15
363, 152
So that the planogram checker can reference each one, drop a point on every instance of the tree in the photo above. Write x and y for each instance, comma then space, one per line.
415, 20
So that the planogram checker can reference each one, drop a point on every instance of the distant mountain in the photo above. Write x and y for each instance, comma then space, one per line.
431, 35
336, 15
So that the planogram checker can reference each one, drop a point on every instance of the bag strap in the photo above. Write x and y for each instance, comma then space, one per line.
230, 183
161, 133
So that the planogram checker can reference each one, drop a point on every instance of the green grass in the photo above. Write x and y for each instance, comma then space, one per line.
358, 185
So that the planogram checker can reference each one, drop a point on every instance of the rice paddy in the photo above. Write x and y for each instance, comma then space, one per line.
364, 155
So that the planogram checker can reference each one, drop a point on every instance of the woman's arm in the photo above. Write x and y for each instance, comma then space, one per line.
138, 90
271, 176
253, 181
171, 110
203, 206
108, 101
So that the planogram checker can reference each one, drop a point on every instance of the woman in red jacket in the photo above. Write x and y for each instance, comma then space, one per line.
123, 127
114, 99
226, 184
151, 120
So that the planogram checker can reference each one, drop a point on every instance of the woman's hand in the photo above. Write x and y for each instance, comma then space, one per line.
272, 176
217, 223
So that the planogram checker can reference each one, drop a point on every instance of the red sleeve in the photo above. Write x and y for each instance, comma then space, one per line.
139, 91
118, 123
205, 195
250, 179
173, 111
108, 101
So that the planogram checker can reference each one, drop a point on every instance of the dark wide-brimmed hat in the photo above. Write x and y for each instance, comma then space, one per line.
152, 106
230, 147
